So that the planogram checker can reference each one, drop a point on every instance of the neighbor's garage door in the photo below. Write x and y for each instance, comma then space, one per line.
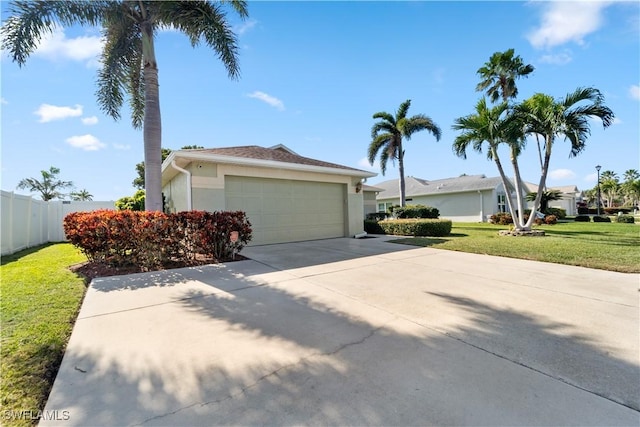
286, 210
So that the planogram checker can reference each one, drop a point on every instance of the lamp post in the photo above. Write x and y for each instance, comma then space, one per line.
598, 200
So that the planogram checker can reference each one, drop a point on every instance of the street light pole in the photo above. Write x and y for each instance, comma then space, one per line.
598, 201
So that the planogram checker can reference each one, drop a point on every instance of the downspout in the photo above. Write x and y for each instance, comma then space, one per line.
186, 172
481, 206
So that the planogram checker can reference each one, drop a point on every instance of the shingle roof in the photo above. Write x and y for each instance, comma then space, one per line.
421, 187
278, 153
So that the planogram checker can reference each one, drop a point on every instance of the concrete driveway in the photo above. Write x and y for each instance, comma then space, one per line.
355, 332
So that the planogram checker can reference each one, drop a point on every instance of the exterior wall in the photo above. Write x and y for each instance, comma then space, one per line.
567, 203
460, 207
370, 204
208, 181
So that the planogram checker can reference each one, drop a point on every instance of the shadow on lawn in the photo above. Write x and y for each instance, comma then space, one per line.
6, 259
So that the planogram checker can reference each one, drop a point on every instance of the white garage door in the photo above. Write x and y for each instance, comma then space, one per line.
286, 210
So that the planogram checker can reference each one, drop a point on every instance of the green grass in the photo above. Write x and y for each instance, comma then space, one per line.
40, 301
605, 246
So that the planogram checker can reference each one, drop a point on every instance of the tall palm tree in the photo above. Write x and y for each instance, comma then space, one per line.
568, 117
498, 80
128, 63
387, 135
499, 75
49, 187
631, 186
493, 126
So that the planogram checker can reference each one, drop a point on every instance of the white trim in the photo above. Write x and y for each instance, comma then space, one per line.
186, 172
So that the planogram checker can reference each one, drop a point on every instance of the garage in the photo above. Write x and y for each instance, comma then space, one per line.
282, 210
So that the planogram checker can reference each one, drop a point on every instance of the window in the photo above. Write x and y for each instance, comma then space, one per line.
502, 202
384, 207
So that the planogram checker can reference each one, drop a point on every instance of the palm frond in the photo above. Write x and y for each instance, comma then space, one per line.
403, 109
205, 21
420, 122
30, 21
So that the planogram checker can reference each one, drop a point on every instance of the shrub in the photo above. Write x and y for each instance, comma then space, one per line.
559, 213
502, 218
583, 210
601, 219
583, 218
372, 227
152, 239
416, 211
417, 227
377, 216
616, 210
550, 219
628, 219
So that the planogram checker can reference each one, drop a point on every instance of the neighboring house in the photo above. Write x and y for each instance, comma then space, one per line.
570, 197
369, 194
467, 198
287, 197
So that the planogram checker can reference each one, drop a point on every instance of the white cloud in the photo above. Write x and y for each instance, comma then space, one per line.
616, 121
592, 177
557, 59
271, 100
56, 46
565, 21
246, 26
3, 101
89, 120
86, 142
364, 164
50, 113
634, 92
123, 147
560, 174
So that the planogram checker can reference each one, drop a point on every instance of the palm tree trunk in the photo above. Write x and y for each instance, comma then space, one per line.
503, 177
401, 171
543, 181
152, 130
519, 188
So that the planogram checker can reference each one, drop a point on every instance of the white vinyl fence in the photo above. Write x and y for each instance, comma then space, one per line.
27, 222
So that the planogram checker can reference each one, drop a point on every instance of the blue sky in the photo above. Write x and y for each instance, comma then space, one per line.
313, 74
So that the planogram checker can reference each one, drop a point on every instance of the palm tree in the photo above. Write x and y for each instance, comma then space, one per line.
128, 63
609, 186
81, 196
500, 73
547, 196
498, 80
544, 116
50, 186
631, 186
387, 135
493, 126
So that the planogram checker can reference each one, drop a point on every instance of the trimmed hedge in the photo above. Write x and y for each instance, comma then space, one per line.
627, 219
377, 216
615, 210
559, 213
153, 239
601, 219
417, 227
416, 211
583, 218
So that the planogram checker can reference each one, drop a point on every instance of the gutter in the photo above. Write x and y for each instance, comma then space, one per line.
186, 172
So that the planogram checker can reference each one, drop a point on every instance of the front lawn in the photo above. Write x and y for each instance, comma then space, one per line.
606, 246
40, 302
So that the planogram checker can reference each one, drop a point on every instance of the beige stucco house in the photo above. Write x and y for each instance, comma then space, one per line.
287, 197
467, 198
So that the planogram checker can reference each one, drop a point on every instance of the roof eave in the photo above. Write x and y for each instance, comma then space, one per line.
272, 164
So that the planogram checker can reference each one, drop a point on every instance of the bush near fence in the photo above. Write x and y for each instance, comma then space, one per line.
153, 239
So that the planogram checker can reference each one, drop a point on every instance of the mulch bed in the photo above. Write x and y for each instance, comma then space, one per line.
90, 270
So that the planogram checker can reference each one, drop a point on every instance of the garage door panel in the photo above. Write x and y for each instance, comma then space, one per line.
287, 210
